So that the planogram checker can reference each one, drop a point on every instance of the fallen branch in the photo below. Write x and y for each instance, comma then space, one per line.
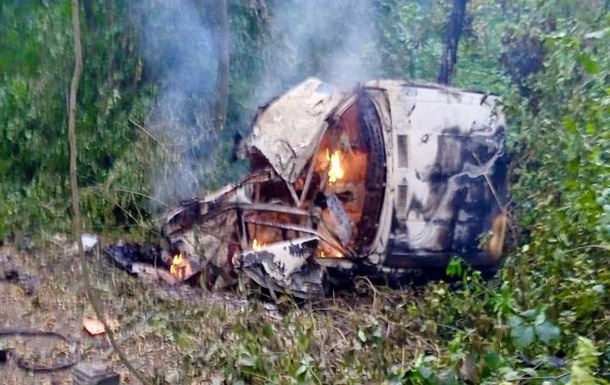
144, 130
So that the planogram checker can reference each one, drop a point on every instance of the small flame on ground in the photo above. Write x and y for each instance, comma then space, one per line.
179, 266
256, 245
335, 172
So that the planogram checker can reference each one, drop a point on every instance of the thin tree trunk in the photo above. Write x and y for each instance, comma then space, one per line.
78, 68
76, 221
452, 39
223, 66
89, 16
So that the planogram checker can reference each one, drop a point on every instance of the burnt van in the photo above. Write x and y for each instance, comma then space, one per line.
389, 176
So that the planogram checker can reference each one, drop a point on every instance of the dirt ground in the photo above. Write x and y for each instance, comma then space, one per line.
58, 303
187, 335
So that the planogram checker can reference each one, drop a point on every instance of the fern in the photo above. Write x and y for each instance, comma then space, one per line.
584, 364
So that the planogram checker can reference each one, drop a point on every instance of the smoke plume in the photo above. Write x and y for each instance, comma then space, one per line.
181, 56
331, 39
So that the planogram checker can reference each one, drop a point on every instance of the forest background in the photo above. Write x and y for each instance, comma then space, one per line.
168, 86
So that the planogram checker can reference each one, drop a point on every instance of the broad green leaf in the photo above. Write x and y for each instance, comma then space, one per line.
547, 332
361, 335
590, 65
522, 335
530, 314
529, 371
425, 372
540, 318
514, 321
492, 360
302, 369
454, 268
448, 377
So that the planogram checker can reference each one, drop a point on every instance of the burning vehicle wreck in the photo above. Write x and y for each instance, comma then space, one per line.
389, 177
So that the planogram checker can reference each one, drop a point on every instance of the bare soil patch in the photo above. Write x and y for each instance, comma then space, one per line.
188, 335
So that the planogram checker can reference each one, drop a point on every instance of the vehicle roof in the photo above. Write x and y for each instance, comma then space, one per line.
286, 131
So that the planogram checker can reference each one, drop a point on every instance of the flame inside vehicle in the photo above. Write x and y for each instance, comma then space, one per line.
335, 254
180, 267
256, 245
335, 172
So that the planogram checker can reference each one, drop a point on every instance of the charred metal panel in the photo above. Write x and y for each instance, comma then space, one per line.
286, 266
370, 124
447, 174
287, 130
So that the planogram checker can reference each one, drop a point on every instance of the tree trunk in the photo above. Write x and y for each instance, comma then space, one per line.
222, 77
78, 69
76, 220
89, 16
452, 39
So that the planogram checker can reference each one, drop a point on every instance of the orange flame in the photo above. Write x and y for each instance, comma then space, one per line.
180, 266
323, 255
335, 172
256, 245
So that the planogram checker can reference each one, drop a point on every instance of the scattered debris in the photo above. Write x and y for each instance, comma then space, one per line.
125, 255
94, 373
28, 283
95, 327
32, 366
89, 241
151, 273
153, 263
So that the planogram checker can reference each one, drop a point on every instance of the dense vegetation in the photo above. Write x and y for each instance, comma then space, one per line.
152, 130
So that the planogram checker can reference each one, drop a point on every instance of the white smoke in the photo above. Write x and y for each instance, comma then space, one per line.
331, 39
181, 55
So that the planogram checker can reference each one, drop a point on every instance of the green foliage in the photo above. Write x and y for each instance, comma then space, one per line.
584, 364
34, 80
553, 287
531, 326
411, 38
